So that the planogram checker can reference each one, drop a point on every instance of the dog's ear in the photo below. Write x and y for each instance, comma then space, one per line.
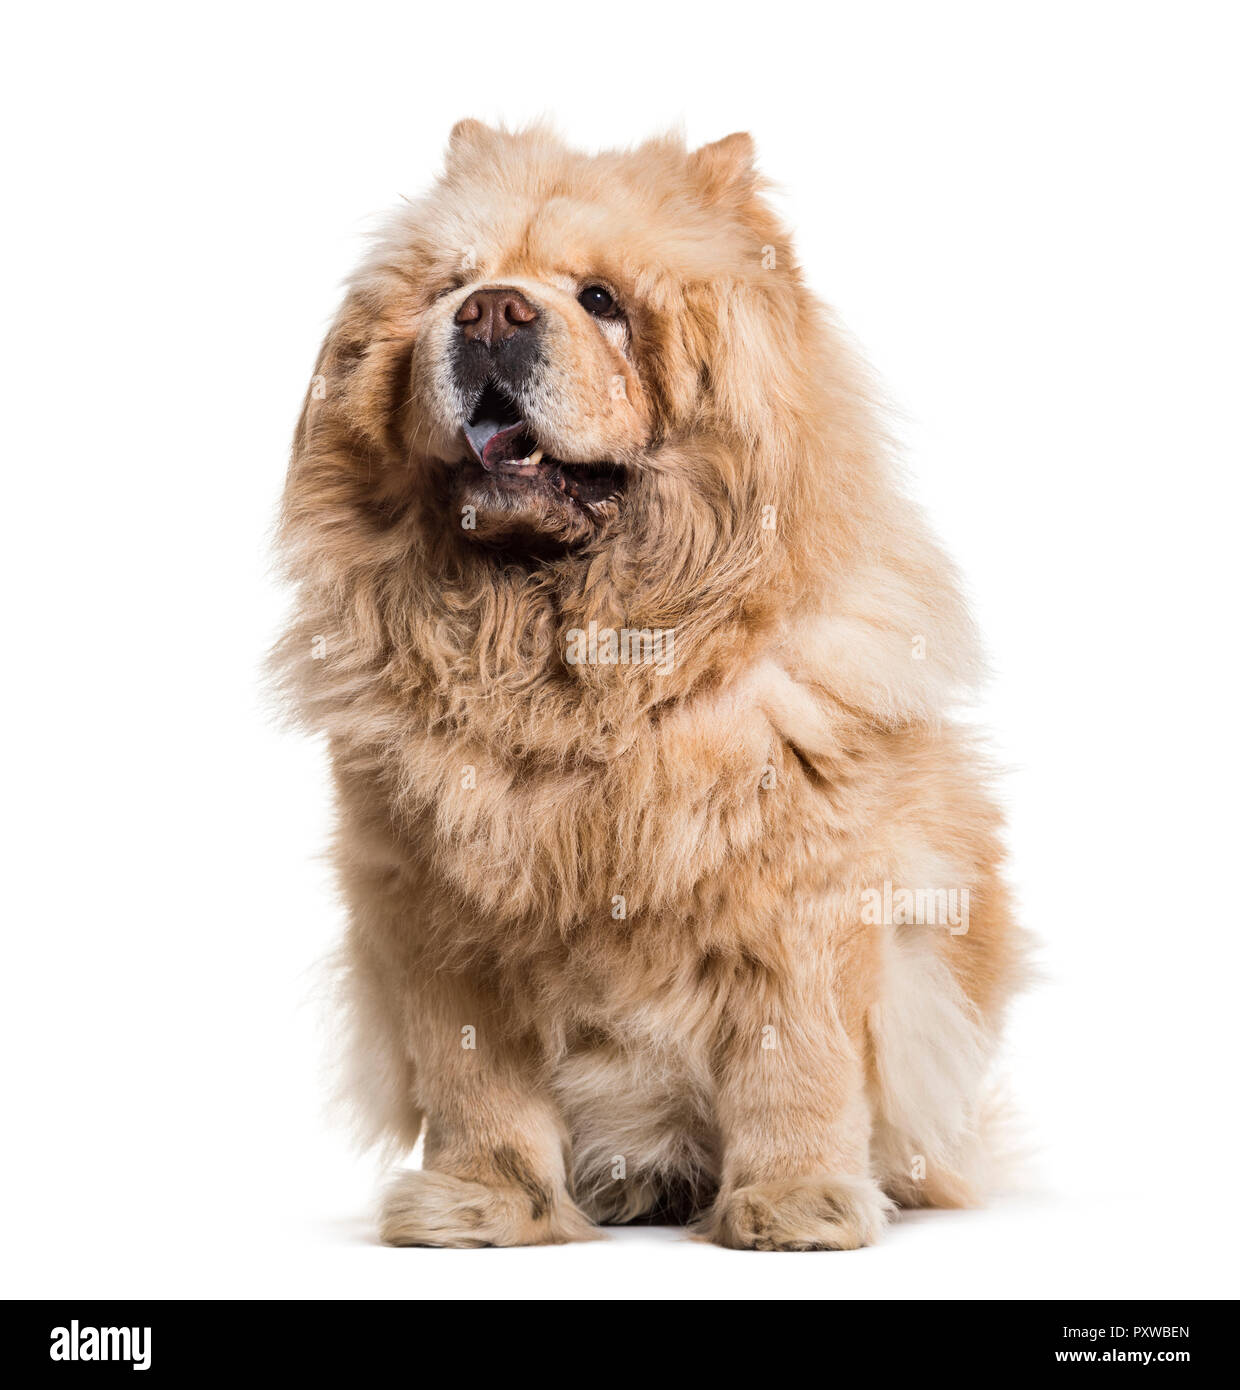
724, 171
360, 382
468, 138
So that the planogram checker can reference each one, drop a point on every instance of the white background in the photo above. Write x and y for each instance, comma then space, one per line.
1028, 217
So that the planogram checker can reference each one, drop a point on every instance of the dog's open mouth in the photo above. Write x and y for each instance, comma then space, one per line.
503, 444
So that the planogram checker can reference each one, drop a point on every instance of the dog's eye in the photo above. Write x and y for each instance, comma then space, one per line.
594, 299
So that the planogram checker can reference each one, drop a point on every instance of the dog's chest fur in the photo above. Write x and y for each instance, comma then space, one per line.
566, 843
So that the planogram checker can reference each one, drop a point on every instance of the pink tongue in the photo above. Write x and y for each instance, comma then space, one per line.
492, 442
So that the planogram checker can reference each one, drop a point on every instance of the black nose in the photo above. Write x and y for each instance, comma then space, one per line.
492, 316
498, 339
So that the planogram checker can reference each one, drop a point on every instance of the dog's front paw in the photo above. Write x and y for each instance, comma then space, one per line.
428, 1208
819, 1212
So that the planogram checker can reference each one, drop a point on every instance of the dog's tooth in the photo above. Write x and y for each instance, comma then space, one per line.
535, 458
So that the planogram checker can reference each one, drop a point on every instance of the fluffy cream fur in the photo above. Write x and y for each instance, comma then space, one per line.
608, 942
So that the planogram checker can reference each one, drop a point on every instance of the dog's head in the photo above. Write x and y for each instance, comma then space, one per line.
568, 322
544, 328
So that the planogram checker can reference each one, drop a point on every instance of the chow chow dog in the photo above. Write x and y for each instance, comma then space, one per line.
674, 890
